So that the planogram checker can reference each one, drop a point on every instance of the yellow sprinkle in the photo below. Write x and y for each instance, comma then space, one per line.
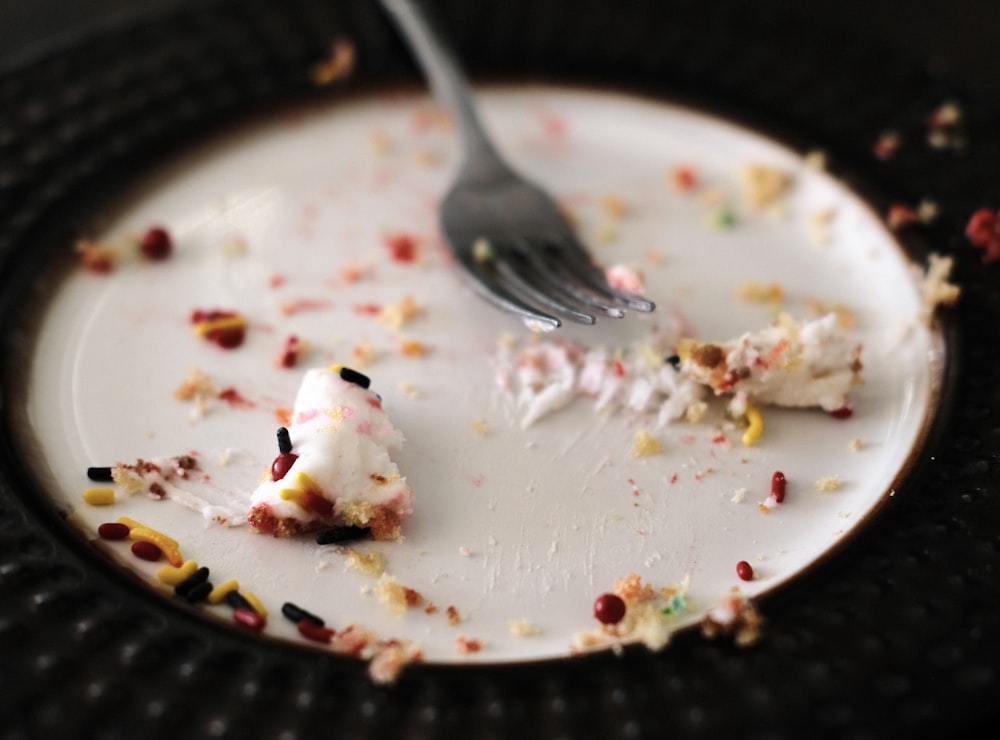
204, 328
218, 594
99, 496
130, 523
171, 576
294, 495
169, 546
756, 428
255, 603
335, 369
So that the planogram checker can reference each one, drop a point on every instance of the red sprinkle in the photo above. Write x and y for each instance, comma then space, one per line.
402, 248
983, 230
113, 531
314, 632
777, 489
234, 398
289, 355
744, 571
844, 412
249, 618
146, 550
609, 609
156, 243
685, 179
281, 465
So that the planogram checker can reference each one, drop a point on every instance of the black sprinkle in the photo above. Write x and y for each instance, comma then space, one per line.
353, 376
198, 592
297, 614
341, 534
284, 441
188, 584
100, 474
238, 601
674, 360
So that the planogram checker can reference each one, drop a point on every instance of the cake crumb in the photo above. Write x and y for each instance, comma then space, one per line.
935, 288
390, 659
397, 597
480, 427
452, 615
736, 616
465, 645
370, 564
855, 444
828, 483
337, 65
763, 185
645, 444
522, 628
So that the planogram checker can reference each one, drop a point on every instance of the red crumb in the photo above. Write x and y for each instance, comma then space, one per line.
464, 645
401, 247
304, 304
95, 257
886, 146
901, 215
288, 357
367, 309
684, 179
983, 230
235, 399
156, 243
431, 608
227, 329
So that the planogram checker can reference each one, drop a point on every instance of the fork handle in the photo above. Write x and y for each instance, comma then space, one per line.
449, 86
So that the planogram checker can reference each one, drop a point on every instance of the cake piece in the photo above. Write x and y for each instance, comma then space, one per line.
787, 364
333, 468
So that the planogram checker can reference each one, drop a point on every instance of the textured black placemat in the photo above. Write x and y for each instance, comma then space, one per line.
896, 634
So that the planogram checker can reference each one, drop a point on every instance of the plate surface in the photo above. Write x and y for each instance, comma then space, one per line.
510, 524
896, 632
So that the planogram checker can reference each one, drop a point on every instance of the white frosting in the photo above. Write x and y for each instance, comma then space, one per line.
786, 364
342, 437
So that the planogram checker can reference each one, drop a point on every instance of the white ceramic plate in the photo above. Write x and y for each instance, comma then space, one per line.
510, 524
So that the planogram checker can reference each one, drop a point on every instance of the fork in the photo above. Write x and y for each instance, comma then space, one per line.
509, 235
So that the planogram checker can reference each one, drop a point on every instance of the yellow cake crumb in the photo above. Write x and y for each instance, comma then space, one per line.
397, 597
645, 444
452, 615
412, 348
522, 628
763, 185
936, 290
337, 65
369, 564
397, 315
760, 293
828, 483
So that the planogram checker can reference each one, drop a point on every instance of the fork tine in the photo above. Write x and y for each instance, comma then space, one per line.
484, 282
549, 269
575, 259
526, 282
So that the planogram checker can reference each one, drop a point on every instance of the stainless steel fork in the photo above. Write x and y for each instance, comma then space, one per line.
509, 235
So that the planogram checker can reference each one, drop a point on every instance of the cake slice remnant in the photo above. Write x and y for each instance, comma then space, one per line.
333, 468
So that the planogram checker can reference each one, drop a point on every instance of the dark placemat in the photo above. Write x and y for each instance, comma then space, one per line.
896, 633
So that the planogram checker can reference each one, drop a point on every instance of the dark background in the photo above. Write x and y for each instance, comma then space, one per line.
959, 39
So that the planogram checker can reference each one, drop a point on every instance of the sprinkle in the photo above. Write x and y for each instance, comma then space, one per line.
257, 604
753, 433
220, 592
101, 474
609, 608
188, 584
156, 243
341, 534
146, 551
353, 376
298, 614
95, 257
744, 571
198, 593
112, 531
778, 484
401, 248
236, 600
99, 496
284, 441
684, 179
169, 547
172, 576
248, 618
315, 632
